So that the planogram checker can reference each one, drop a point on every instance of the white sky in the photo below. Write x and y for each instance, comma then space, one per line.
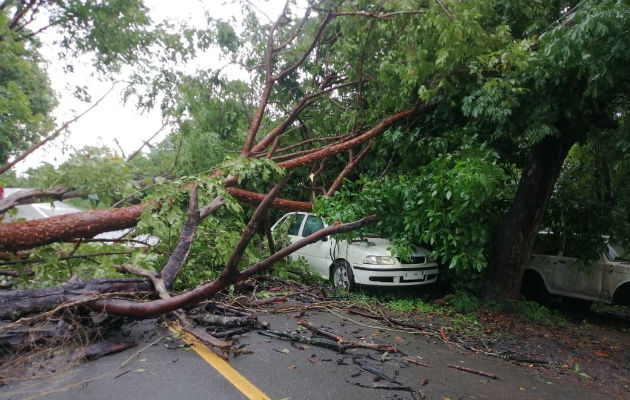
112, 120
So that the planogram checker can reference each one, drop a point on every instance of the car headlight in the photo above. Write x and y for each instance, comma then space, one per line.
380, 260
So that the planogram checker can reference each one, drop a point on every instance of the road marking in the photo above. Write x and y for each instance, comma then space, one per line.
239, 381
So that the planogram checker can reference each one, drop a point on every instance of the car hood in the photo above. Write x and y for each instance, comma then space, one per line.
380, 247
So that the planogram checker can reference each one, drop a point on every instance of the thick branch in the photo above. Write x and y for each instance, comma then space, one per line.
28, 234
254, 126
15, 303
279, 204
187, 236
231, 267
312, 238
337, 148
157, 307
304, 102
309, 141
349, 167
308, 51
28, 196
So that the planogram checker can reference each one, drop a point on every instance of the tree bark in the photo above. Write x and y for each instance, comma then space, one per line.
515, 235
23, 235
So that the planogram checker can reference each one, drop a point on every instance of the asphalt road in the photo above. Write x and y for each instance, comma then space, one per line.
279, 370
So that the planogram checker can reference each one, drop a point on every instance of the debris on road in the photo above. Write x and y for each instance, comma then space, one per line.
474, 371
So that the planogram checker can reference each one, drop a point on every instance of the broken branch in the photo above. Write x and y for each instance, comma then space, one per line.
474, 371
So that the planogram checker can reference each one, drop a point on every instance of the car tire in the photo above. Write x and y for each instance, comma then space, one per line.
533, 287
577, 304
341, 276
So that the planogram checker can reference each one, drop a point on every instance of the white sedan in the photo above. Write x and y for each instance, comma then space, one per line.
361, 262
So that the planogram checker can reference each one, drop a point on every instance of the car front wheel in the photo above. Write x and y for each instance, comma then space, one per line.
342, 277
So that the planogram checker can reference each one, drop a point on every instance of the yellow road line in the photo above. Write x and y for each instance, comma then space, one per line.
239, 381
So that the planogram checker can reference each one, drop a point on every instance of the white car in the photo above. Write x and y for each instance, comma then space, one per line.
361, 262
605, 280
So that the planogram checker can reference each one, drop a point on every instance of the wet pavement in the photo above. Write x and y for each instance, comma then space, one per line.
161, 367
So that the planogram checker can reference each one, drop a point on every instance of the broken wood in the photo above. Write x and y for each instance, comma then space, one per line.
17, 303
24, 235
30, 335
373, 370
382, 386
359, 343
177, 260
294, 337
474, 371
229, 322
412, 361
100, 349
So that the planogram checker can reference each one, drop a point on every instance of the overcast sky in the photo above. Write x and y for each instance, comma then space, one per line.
111, 120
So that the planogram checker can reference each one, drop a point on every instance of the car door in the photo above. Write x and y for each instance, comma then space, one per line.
317, 254
570, 276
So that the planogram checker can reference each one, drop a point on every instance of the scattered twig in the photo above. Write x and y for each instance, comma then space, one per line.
474, 371
386, 387
341, 348
371, 369
100, 349
412, 361
339, 339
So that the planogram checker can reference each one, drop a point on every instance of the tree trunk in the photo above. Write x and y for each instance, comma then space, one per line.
515, 235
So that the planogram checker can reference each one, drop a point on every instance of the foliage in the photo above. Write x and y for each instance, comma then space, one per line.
594, 183
98, 172
463, 302
26, 98
406, 305
218, 234
208, 127
448, 205
56, 264
533, 312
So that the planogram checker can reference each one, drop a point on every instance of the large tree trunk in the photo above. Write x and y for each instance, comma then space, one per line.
515, 236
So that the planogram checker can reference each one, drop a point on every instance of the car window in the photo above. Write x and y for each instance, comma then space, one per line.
295, 225
313, 224
547, 243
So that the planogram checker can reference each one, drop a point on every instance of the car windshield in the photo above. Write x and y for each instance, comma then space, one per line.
612, 254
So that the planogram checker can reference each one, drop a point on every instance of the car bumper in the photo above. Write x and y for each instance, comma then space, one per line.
407, 275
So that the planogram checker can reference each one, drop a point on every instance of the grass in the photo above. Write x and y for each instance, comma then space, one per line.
461, 307
530, 311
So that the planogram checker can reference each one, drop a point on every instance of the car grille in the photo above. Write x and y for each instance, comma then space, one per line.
412, 260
